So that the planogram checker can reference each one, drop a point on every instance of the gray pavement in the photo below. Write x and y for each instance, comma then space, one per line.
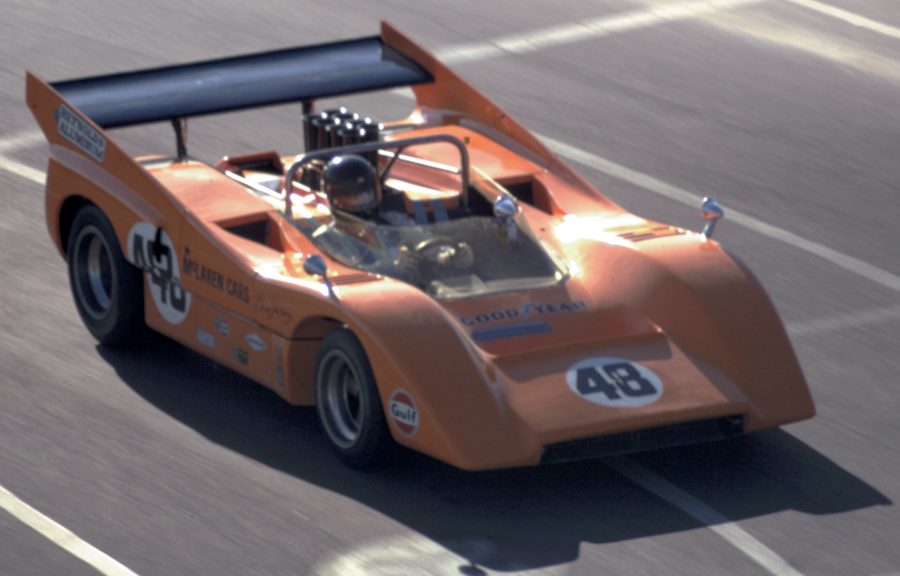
173, 465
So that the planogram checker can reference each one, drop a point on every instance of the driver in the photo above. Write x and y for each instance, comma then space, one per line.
351, 186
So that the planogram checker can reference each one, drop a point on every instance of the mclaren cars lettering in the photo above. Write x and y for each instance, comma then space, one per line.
404, 412
214, 278
614, 382
80, 133
151, 249
529, 309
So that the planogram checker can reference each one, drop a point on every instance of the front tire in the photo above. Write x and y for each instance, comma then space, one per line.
347, 401
108, 291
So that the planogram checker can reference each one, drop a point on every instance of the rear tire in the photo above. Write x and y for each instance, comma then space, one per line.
348, 403
108, 291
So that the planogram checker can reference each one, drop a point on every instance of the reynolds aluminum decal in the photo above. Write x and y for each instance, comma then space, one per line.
80, 133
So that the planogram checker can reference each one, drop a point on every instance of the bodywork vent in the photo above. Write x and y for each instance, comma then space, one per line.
647, 439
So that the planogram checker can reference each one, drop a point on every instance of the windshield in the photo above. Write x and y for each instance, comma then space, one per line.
447, 231
467, 256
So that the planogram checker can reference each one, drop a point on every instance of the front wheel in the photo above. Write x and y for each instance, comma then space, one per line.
347, 401
108, 291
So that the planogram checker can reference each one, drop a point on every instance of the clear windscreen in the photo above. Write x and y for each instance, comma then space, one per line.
466, 256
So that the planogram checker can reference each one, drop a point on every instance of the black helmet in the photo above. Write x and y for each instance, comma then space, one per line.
350, 184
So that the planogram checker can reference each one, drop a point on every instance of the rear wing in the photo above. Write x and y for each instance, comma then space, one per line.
213, 86
75, 114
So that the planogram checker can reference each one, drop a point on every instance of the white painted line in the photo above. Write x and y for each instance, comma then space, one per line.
647, 182
588, 29
714, 520
20, 140
630, 21
849, 17
15, 142
23, 170
413, 553
61, 536
770, 29
518, 43
641, 18
847, 321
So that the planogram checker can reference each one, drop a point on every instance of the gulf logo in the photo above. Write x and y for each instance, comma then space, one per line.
404, 412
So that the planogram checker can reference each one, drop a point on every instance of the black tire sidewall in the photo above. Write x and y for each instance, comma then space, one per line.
125, 320
374, 437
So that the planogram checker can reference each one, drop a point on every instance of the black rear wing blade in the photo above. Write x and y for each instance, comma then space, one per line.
240, 82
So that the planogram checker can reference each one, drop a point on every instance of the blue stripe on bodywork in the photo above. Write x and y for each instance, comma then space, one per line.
514, 331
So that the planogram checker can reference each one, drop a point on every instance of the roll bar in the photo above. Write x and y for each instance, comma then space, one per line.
398, 145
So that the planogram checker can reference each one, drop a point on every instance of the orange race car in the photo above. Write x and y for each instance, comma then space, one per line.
443, 280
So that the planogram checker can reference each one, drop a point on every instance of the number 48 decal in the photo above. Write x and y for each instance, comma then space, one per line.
614, 382
160, 263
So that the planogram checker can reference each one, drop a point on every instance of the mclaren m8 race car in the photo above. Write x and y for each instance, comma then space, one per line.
442, 281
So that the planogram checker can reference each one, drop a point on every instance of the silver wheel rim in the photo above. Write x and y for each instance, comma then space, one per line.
340, 398
94, 275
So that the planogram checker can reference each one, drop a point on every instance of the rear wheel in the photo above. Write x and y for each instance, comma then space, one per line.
347, 401
108, 291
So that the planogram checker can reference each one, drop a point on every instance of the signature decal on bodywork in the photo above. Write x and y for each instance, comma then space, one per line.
523, 312
272, 309
614, 382
80, 133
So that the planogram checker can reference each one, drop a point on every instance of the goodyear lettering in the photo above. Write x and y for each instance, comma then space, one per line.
523, 311
215, 279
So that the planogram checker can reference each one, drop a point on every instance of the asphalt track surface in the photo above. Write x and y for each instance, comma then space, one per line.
787, 111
